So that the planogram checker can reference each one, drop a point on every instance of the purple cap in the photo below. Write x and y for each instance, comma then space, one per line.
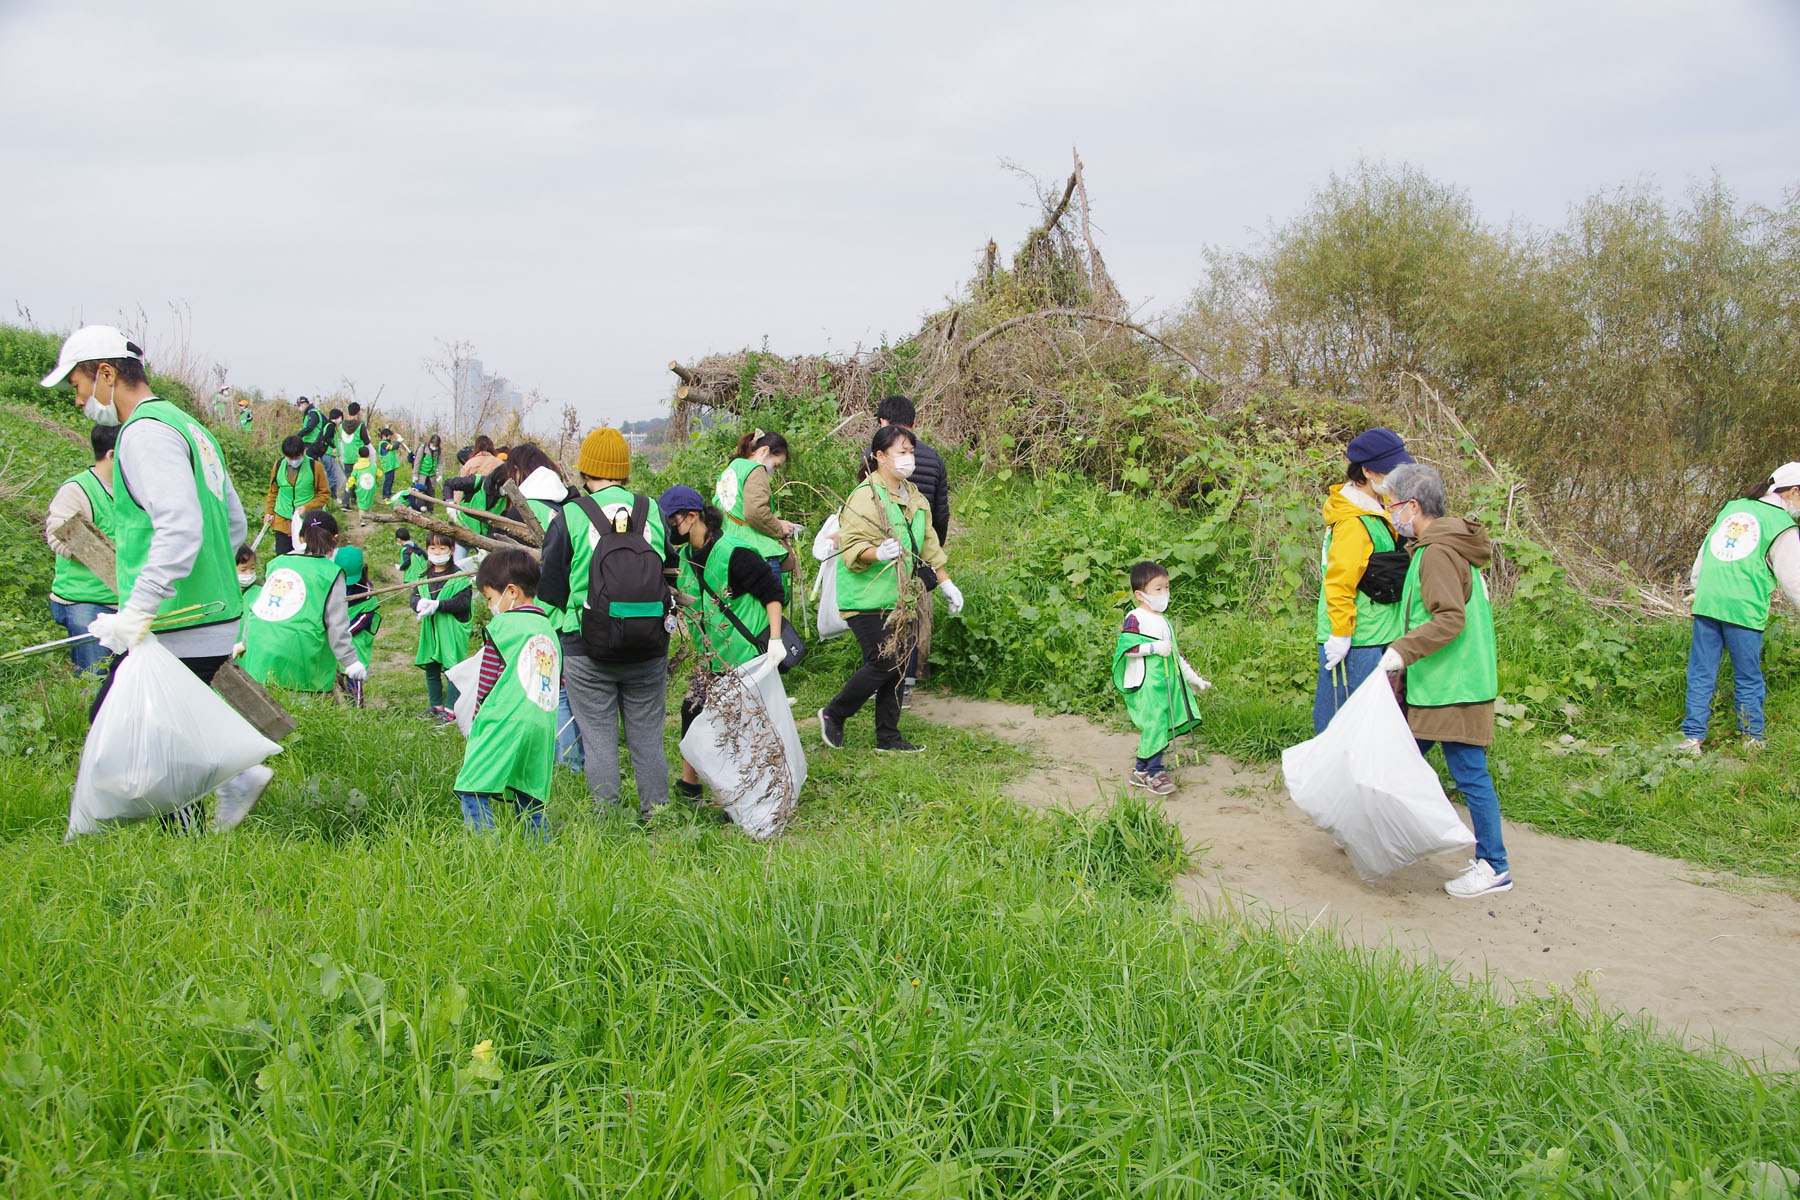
680, 498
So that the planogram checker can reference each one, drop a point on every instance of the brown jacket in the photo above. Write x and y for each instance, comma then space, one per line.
1445, 552
321, 493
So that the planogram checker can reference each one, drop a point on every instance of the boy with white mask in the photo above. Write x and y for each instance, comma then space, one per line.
1162, 700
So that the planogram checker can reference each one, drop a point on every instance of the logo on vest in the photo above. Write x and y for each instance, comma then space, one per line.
1736, 539
365, 480
725, 492
282, 597
537, 671
211, 469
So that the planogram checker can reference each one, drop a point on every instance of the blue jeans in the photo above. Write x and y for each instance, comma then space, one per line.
1151, 765
76, 618
1469, 769
1336, 685
334, 478
478, 811
568, 734
387, 485
1711, 639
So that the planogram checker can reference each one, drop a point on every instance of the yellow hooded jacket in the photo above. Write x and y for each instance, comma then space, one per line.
1348, 548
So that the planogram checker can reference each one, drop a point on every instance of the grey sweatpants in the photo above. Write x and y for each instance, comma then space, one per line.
600, 694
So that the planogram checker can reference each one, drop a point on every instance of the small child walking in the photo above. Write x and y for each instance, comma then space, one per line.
1162, 700
512, 741
365, 609
387, 458
363, 477
443, 610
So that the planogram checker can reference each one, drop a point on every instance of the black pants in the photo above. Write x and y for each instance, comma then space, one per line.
193, 817
387, 485
284, 542
879, 676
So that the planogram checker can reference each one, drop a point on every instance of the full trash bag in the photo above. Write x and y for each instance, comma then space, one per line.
745, 747
465, 676
1365, 783
831, 624
162, 740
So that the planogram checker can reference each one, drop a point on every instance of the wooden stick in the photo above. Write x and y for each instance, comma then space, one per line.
91, 548
253, 701
388, 589
682, 373
962, 361
456, 533
533, 529
689, 393
504, 524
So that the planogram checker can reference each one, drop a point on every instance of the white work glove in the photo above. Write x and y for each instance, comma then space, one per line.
776, 653
888, 551
1391, 662
237, 651
1337, 647
953, 594
1162, 647
426, 608
356, 671
1193, 677
795, 530
123, 631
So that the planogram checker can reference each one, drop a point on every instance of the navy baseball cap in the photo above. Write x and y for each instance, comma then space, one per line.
680, 498
1378, 450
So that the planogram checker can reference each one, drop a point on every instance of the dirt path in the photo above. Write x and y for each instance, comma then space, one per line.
1709, 956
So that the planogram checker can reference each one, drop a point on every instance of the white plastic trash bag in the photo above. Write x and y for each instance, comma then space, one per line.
1365, 783
465, 676
745, 747
825, 587
162, 740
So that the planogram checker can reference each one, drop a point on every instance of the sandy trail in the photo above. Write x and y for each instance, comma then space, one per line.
1711, 957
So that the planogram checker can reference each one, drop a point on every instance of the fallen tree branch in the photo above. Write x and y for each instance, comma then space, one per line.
504, 524
962, 361
456, 533
388, 589
534, 531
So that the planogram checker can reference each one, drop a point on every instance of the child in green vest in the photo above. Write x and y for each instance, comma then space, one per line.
443, 610
512, 742
297, 632
412, 555
365, 610
363, 478
1160, 687
387, 458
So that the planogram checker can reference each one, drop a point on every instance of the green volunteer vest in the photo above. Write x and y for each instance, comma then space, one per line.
1735, 583
290, 497
389, 456
348, 442
512, 742
877, 585
213, 578
729, 647
1163, 706
365, 480
245, 419
443, 639
1376, 624
355, 567
428, 463
583, 537
1467, 671
72, 581
284, 635
545, 512
728, 494
477, 500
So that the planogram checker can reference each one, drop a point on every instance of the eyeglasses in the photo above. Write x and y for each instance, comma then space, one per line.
1396, 504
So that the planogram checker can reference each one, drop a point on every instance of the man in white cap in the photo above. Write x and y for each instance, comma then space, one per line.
177, 522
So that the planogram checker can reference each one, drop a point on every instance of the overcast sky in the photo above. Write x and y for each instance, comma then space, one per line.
587, 190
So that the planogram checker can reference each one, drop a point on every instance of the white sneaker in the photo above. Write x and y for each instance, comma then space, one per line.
1689, 747
239, 794
1479, 880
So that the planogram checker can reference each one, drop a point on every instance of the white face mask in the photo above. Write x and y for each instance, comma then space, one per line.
903, 466
1377, 483
246, 578
438, 558
98, 413
294, 463
1155, 602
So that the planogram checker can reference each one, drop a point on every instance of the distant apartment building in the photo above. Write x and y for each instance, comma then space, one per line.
482, 399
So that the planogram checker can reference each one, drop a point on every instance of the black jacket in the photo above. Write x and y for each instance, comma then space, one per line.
933, 482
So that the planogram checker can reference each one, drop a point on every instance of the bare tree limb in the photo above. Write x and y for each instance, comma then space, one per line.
503, 524
683, 374
456, 533
533, 530
1081, 314
1057, 212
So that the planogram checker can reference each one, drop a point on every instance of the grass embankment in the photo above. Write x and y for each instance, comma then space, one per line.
922, 990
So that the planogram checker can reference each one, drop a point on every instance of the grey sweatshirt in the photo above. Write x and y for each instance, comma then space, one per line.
152, 461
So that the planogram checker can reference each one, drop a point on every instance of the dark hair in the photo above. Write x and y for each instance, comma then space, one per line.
336, 414
527, 457
712, 518
1354, 474
438, 537
355, 409
882, 443
386, 432
1755, 491
103, 438
131, 370
402, 534
464, 455
245, 554
503, 567
897, 410
494, 481
318, 529
437, 439
292, 446
1146, 573
755, 440
484, 444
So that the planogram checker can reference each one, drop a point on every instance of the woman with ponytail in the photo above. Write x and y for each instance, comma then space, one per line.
297, 633
745, 492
